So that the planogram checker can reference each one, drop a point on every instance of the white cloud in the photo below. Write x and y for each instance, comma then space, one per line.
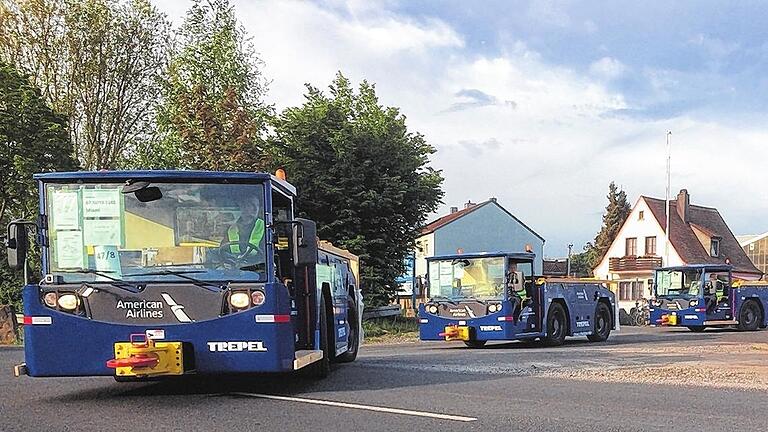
540, 137
607, 68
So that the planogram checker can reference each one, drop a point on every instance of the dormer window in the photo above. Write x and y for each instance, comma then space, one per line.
714, 248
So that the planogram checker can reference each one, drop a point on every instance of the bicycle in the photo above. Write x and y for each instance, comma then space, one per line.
640, 315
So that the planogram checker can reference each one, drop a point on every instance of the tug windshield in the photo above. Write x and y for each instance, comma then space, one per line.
163, 231
477, 278
678, 283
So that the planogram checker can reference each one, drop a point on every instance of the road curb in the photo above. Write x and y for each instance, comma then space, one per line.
11, 347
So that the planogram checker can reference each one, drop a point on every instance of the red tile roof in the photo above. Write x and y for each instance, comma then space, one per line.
445, 220
689, 247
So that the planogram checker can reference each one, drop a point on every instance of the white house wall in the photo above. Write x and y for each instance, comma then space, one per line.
427, 245
639, 229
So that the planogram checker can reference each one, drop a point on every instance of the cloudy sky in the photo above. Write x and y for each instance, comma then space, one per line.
542, 104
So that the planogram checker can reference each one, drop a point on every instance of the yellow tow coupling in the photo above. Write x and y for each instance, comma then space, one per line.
142, 356
454, 332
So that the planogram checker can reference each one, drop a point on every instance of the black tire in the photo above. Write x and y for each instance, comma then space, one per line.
639, 319
697, 329
603, 323
353, 331
475, 343
322, 368
750, 316
557, 325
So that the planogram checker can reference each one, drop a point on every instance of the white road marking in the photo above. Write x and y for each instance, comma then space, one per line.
361, 407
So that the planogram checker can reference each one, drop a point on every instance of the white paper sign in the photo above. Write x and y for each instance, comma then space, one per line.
101, 203
102, 232
65, 209
69, 249
446, 274
108, 261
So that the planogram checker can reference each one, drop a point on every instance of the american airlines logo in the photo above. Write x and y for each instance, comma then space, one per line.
177, 309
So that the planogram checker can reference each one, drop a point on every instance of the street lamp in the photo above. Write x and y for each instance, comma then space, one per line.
669, 177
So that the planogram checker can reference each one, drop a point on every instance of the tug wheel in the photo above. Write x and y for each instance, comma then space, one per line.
603, 324
557, 325
353, 337
750, 316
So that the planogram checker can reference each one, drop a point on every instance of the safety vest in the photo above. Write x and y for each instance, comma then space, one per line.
234, 236
523, 294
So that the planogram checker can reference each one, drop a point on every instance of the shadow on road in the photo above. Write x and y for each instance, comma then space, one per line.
343, 378
645, 336
377, 372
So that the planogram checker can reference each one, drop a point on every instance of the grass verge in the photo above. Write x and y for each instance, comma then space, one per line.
398, 329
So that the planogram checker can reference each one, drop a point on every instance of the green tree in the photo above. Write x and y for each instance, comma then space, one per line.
616, 212
32, 139
581, 265
362, 175
213, 116
97, 61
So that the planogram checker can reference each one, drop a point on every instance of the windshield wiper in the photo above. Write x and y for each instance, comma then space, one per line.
444, 298
182, 274
115, 282
253, 267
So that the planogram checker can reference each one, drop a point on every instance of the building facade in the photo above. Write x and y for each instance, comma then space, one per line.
756, 248
482, 227
698, 235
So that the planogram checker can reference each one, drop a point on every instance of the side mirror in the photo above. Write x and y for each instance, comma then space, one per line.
304, 242
17, 244
151, 193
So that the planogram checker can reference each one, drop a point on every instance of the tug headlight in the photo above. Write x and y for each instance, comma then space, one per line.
68, 302
258, 298
494, 307
50, 299
693, 303
239, 300
432, 309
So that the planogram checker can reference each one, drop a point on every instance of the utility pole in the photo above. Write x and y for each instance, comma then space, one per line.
667, 211
568, 272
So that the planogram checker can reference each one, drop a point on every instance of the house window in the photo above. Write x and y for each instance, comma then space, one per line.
640, 215
631, 249
422, 248
650, 246
629, 291
714, 248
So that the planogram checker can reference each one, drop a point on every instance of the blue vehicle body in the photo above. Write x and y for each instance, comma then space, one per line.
501, 319
707, 297
281, 334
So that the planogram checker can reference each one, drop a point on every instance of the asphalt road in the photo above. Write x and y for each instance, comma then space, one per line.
503, 387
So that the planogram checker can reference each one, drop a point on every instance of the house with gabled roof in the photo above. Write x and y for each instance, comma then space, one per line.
756, 248
477, 227
698, 235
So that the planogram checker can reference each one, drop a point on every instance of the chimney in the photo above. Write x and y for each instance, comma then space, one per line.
469, 204
454, 210
683, 205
